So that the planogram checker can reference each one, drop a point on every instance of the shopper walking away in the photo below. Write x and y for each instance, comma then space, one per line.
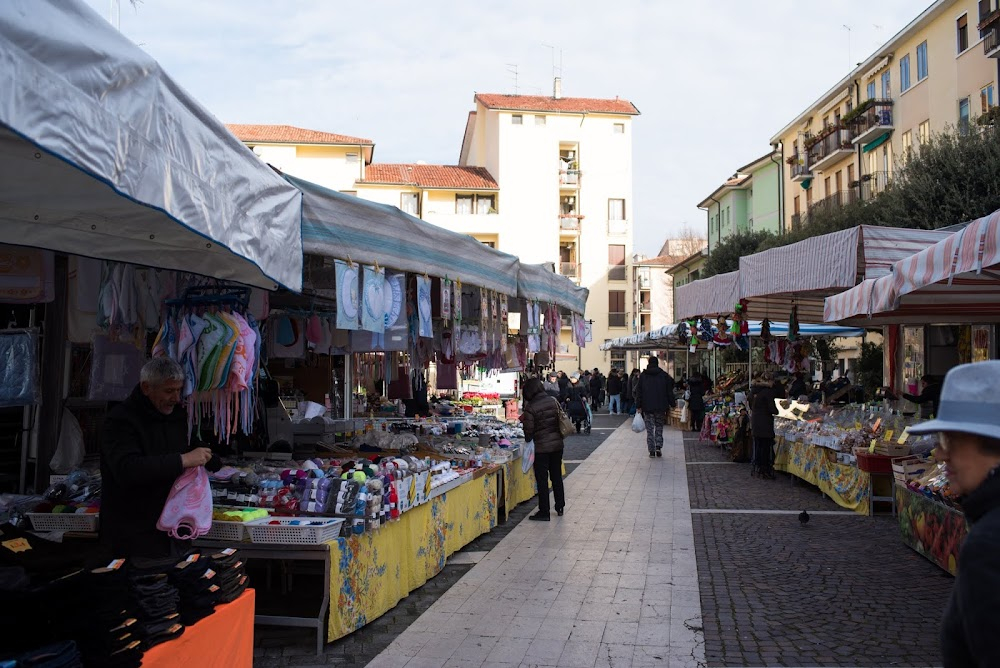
762, 412
596, 386
576, 401
614, 393
626, 393
633, 384
929, 398
696, 401
655, 396
969, 446
541, 425
145, 449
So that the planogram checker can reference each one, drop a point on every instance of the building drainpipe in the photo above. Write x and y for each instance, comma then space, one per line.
781, 185
718, 205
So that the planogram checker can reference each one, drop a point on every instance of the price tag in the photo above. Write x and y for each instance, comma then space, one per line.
871, 448
888, 435
17, 545
905, 435
878, 423
857, 424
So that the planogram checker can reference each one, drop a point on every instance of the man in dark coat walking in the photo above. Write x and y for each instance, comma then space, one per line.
145, 449
654, 397
615, 393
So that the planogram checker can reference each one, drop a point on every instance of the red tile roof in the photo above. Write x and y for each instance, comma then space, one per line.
289, 134
572, 105
458, 177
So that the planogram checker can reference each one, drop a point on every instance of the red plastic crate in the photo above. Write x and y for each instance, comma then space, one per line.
873, 463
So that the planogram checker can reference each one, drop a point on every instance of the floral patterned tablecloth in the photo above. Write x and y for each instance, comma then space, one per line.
847, 485
372, 572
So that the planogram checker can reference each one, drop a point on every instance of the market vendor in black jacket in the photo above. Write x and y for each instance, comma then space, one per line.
929, 397
969, 446
145, 448
540, 417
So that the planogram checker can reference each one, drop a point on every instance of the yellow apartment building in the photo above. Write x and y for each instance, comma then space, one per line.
940, 71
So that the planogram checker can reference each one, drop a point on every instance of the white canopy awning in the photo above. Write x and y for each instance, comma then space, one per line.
103, 155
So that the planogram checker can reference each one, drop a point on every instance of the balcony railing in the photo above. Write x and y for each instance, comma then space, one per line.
569, 177
834, 201
617, 319
797, 221
873, 121
991, 41
873, 185
618, 227
569, 222
645, 307
800, 172
616, 272
989, 29
832, 144
645, 282
570, 269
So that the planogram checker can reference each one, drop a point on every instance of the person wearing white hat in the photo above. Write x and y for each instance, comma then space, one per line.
968, 422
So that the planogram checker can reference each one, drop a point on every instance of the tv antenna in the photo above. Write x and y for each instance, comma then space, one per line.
850, 64
556, 69
512, 70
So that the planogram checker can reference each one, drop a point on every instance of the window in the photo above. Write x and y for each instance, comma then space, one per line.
616, 308
826, 122
924, 132
491, 244
539, 120
922, 61
826, 186
986, 98
616, 262
619, 128
962, 32
907, 144
963, 116
480, 204
352, 158
616, 209
848, 107
850, 176
871, 90
887, 84
517, 119
904, 73
840, 180
410, 203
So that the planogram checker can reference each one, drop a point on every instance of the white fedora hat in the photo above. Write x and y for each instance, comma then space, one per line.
970, 402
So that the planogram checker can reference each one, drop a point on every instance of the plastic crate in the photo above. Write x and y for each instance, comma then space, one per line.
282, 530
222, 530
65, 521
870, 463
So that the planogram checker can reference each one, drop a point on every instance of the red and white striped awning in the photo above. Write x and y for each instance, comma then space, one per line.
716, 295
950, 281
805, 273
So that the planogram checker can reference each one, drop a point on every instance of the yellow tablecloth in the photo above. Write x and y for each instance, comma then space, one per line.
372, 572
518, 486
847, 485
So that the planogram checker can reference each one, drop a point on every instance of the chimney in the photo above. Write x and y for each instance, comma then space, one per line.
557, 88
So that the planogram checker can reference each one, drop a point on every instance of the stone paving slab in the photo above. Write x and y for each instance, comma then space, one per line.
722, 486
694, 451
841, 591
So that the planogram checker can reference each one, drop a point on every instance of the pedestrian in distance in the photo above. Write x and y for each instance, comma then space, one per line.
968, 428
614, 393
540, 419
654, 397
695, 396
633, 383
762, 412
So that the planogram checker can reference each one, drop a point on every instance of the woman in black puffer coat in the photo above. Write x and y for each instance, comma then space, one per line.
540, 416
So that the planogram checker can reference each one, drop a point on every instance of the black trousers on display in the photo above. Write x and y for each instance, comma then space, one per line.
549, 465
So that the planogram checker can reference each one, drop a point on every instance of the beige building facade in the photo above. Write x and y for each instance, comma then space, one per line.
939, 72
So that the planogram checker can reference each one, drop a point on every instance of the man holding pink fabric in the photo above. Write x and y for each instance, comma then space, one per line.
145, 449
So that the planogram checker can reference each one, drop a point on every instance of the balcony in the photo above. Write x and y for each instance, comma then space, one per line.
569, 222
830, 146
616, 272
873, 185
645, 307
569, 178
618, 228
645, 282
800, 172
989, 30
617, 319
873, 120
834, 201
798, 220
570, 269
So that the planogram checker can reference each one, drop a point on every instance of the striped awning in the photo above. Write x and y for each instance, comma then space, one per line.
881, 65
949, 281
871, 146
665, 337
716, 295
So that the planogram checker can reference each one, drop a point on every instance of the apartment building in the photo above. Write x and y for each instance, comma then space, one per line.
748, 201
940, 71
548, 179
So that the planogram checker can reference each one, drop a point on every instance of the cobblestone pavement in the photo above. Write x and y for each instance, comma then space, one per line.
842, 591
275, 646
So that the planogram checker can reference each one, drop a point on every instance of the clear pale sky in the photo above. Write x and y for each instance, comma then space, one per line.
713, 80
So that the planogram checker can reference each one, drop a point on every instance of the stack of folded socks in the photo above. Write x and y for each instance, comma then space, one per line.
63, 654
230, 574
155, 601
195, 580
106, 633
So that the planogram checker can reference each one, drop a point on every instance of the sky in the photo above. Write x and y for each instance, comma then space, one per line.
714, 81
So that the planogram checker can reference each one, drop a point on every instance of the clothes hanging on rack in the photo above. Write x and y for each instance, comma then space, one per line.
18, 367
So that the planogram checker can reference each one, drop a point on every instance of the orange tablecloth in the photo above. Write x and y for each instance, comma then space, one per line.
224, 639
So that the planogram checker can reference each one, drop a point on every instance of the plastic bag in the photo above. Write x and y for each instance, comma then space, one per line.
70, 451
527, 456
638, 424
19, 367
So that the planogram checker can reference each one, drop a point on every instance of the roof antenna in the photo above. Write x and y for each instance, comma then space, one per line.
512, 69
556, 72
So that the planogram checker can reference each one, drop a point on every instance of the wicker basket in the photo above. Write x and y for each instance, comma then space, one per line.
65, 521
281, 530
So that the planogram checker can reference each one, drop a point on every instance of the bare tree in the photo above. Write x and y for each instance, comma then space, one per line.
688, 242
